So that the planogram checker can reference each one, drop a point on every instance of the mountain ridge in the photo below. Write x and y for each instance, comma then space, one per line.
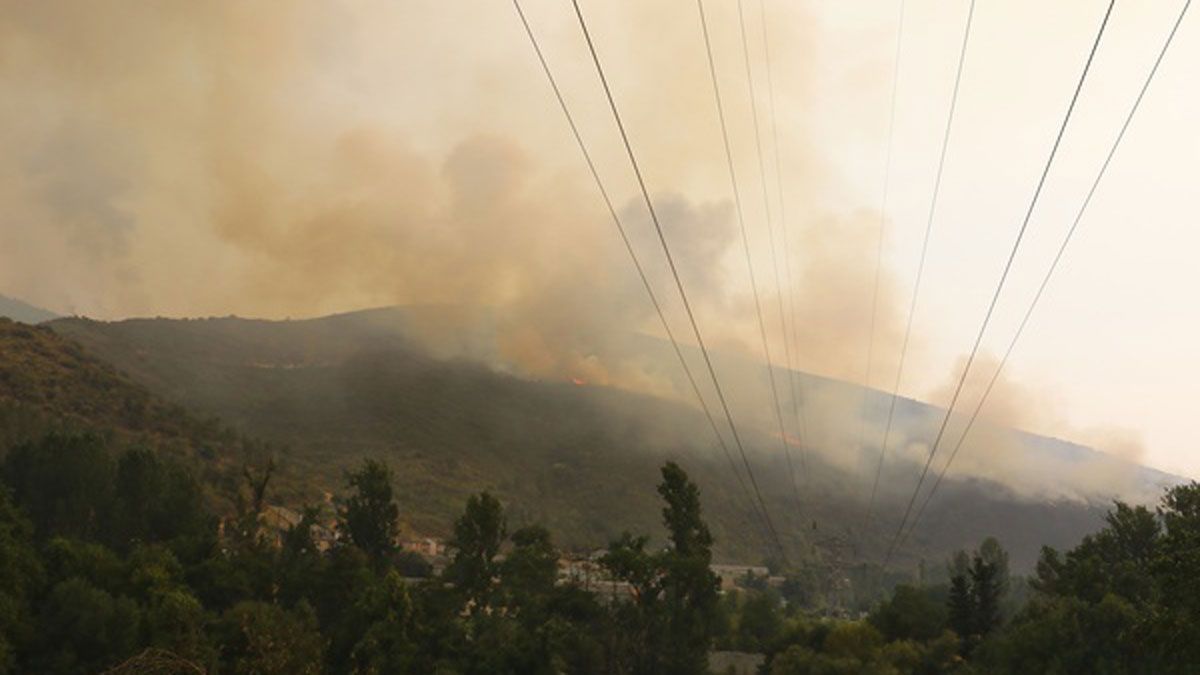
19, 310
335, 390
51, 384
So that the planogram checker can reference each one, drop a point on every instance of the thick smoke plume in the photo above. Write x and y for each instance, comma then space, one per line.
998, 447
230, 157
296, 159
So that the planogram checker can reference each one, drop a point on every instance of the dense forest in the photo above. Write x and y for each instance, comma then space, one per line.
112, 561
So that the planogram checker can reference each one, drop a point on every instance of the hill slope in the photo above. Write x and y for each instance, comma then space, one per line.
48, 383
580, 459
24, 312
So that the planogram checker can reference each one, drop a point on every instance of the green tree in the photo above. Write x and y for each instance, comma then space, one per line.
84, 629
961, 603
551, 622
911, 614
299, 566
978, 583
259, 638
175, 620
21, 577
803, 587
1072, 636
670, 625
986, 591
386, 644
994, 555
638, 622
689, 585
758, 621
340, 583
65, 559
1113, 604
155, 500
64, 484
848, 648
370, 517
478, 535
1176, 568
530, 570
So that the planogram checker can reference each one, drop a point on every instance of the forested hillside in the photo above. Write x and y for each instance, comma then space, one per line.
330, 392
110, 562
51, 384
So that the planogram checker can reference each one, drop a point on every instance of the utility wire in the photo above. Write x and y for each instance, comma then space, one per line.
882, 237
762, 326
1003, 277
788, 339
1050, 272
912, 308
587, 156
675, 271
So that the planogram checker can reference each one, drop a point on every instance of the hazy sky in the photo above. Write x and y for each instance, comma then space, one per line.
299, 158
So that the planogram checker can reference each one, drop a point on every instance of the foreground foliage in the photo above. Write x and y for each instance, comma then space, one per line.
102, 557
110, 557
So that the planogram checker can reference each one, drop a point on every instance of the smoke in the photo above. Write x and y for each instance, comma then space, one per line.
1000, 447
304, 158
299, 159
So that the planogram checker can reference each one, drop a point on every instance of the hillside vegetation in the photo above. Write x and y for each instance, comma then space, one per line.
330, 392
51, 384
111, 563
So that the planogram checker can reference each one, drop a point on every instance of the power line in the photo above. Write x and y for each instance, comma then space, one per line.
912, 308
1050, 272
1003, 276
587, 156
883, 204
801, 422
762, 326
674, 270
